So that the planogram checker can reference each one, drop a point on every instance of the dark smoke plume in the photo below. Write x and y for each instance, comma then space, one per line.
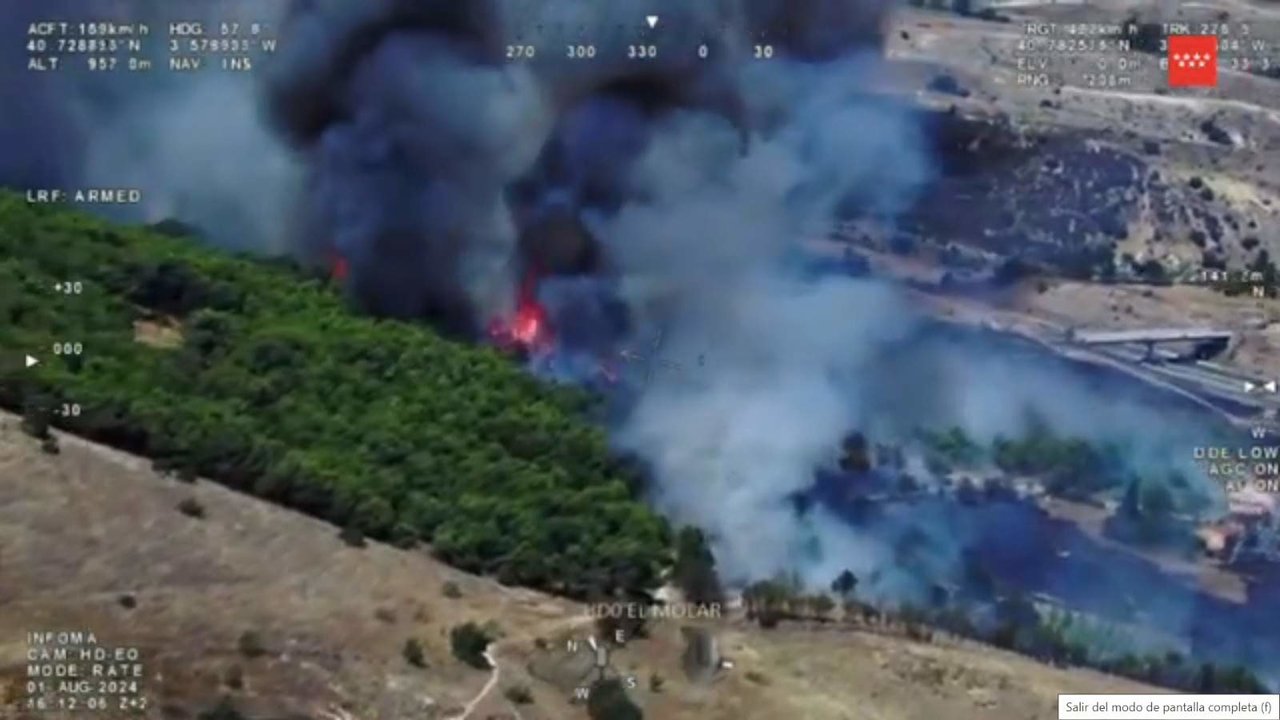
431, 156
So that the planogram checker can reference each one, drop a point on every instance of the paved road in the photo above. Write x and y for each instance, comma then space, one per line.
1149, 335
1214, 386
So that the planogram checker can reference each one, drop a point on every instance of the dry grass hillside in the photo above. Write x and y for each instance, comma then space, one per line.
272, 609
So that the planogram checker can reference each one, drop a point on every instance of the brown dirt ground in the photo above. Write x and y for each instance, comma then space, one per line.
163, 333
82, 529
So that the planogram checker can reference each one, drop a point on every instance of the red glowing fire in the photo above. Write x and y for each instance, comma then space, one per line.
338, 267
528, 328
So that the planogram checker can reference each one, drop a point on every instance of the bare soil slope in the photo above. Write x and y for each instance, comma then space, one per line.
81, 531
84, 531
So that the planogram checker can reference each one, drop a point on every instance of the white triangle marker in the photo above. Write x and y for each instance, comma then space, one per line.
652, 20
32, 362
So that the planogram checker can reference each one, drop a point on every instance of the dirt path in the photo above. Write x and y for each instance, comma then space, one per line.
493, 654
1198, 104
494, 677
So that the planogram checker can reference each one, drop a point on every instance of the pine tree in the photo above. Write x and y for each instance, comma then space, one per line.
844, 584
695, 568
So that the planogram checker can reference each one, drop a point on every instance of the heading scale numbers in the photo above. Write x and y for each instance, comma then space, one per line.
587, 51
640, 51
647, 40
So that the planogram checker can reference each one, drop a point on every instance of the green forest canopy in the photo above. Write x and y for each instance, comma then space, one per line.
278, 389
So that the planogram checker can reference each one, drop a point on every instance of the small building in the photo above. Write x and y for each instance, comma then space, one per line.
1218, 539
1249, 526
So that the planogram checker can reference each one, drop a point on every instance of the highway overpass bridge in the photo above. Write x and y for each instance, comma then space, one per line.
1244, 399
1208, 342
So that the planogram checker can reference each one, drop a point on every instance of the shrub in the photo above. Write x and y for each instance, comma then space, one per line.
468, 642
519, 694
36, 417
233, 678
413, 653
250, 645
608, 701
49, 445
224, 710
351, 536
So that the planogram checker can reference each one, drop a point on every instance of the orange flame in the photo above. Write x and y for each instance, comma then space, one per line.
528, 328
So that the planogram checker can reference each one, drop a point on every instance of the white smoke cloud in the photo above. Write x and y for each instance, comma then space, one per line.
197, 144
203, 153
702, 253
777, 371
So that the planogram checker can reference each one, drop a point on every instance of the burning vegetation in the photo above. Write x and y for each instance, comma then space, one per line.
527, 329
339, 268
278, 389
